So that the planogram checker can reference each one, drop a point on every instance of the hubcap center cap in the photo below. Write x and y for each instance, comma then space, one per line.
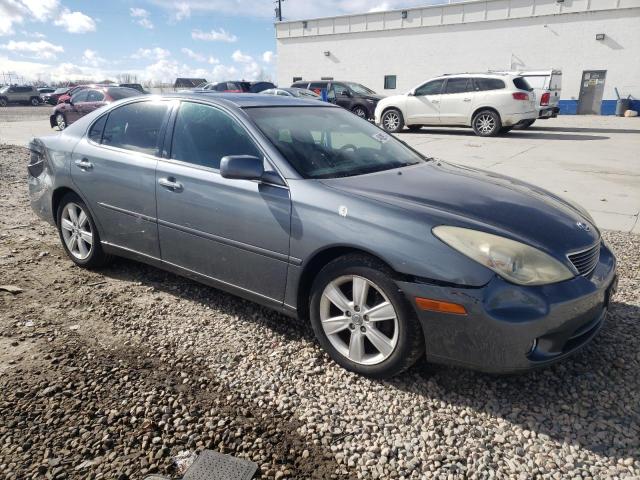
357, 319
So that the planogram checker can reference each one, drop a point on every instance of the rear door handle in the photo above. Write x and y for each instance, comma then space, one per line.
84, 164
170, 184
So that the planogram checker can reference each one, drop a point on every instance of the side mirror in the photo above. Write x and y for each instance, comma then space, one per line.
347, 93
411, 93
242, 167
68, 100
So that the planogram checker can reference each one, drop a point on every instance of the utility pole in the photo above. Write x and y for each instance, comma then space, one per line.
279, 10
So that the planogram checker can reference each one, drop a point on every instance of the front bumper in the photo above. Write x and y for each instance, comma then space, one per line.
511, 328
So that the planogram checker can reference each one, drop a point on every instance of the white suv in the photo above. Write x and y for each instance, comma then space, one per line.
490, 103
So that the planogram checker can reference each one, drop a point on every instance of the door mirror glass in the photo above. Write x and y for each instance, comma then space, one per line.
242, 167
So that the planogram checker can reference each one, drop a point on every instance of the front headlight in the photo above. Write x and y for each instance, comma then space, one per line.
514, 261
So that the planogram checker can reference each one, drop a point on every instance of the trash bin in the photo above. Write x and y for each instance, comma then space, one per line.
622, 105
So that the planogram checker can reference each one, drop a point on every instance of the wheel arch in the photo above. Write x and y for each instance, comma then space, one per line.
318, 260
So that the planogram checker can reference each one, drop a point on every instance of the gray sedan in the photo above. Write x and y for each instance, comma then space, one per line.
308, 209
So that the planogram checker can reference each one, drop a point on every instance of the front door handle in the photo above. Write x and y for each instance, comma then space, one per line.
170, 184
435, 101
84, 164
467, 99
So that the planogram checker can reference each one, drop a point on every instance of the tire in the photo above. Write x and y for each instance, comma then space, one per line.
347, 337
34, 101
360, 111
414, 128
524, 125
504, 130
486, 123
392, 120
61, 121
78, 234
3, 102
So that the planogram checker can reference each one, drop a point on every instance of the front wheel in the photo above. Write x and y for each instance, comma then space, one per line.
392, 120
486, 123
61, 121
3, 102
34, 101
360, 111
362, 320
79, 234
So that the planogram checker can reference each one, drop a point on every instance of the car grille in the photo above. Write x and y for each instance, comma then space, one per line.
586, 260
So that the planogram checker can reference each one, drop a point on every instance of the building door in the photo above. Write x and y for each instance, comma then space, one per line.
591, 90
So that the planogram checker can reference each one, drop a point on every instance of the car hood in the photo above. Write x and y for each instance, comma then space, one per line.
456, 195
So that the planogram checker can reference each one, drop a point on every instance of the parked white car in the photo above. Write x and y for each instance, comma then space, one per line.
490, 103
547, 85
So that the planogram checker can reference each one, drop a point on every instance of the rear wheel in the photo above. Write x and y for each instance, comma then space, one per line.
486, 123
362, 320
61, 121
392, 120
79, 234
360, 111
3, 102
524, 125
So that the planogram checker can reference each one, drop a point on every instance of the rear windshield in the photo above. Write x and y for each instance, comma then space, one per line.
328, 142
522, 84
119, 93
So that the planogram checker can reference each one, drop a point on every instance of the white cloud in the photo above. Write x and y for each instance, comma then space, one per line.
91, 57
75, 22
42, 49
33, 34
42, 10
213, 60
182, 11
268, 56
141, 17
194, 55
240, 57
156, 53
214, 35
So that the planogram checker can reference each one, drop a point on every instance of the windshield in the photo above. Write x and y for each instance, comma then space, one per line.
361, 89
328, 142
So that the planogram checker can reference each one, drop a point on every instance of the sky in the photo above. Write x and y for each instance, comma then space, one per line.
154, 40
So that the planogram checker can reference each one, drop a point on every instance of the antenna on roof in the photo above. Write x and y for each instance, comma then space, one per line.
279, 10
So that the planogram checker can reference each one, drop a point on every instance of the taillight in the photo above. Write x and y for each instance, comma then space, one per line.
36, 162
520, 96
544, 99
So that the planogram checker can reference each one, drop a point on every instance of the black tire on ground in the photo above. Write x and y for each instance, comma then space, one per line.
61, 121
524, 125
35, 101
414, 128
360, 111
3, 102
96, 258
410, 339
392, 120
505, 130
486, 123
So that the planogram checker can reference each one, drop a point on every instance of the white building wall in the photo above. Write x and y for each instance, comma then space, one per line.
469, 37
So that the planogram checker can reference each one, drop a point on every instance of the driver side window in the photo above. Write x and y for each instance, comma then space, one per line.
430, 88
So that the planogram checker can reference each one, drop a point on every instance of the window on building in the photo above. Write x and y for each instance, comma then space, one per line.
297, 79
389, 82
326, 78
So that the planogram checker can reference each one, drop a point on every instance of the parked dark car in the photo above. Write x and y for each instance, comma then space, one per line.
52, 98
236, 87
350, 95
25, 94
135, 86
292, 92
86, 101
310, 210
43, 90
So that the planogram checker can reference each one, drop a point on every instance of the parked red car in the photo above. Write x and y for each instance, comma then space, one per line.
85, 101
71, 92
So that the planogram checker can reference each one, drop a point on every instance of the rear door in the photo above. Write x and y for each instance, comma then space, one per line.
114, 168
423, 107
235, 232
95, 99
74, 110
456, 101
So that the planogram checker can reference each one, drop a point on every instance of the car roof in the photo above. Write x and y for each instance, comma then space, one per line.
248, 100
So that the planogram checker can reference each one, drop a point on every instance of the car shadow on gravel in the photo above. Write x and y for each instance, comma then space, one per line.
591, 399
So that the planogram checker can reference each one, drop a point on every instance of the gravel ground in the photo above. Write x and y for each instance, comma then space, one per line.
112, 374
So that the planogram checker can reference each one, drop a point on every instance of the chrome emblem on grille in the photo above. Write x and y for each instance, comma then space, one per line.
583, 226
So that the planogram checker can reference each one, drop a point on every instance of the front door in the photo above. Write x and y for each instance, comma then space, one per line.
423, 107
73, 109
591, 91
340, 95
114, 168
456, 101
233, 231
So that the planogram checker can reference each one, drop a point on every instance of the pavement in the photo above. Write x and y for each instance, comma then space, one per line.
591, 160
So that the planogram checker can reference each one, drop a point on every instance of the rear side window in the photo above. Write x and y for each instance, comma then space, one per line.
119, 93
458, 85
95, 96
95, 133
203, 135
300, 85
135, 127
522, 84
81, 96
488, 83
317, 86
430, 88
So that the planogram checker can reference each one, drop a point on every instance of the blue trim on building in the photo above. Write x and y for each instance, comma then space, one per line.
608, 107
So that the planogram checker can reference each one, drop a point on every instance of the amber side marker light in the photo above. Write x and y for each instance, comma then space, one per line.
440, 306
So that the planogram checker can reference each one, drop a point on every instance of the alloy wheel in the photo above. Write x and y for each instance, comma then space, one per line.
60, 121
359, 320
359, 111
76, 231
485, 123
391, 121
